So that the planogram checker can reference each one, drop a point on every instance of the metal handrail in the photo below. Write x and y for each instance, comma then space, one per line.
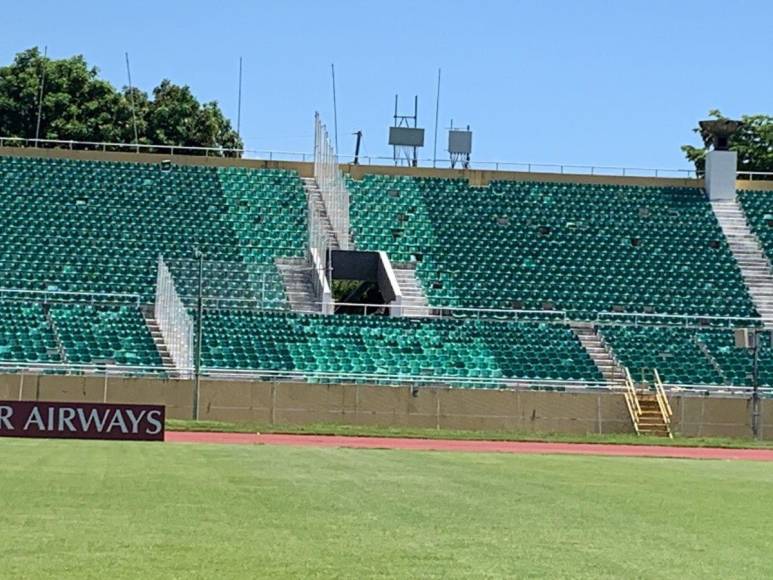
438, 380
663, 404
631, 387
764, 175
523, 166
50, 295
631, 400
93, 368
184, 373
686, 318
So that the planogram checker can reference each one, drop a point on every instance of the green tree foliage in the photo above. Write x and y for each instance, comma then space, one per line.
753, 142
77, 105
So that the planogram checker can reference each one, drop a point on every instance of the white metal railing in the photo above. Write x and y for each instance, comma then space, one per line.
755, 175
440, 381
252, 283
331, 183
105, 146
404, 379
319, 242
688, 321
48, 296
174, 321
100, 369
377, 160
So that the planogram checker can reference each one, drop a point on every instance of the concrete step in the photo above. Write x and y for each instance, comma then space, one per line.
158, 339
414, 299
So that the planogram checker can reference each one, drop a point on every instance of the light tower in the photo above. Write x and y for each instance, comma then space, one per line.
404, 139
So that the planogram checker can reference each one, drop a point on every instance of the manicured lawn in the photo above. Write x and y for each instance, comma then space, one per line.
73, 509
368, 431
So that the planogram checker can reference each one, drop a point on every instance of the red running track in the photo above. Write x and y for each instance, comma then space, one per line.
520, 447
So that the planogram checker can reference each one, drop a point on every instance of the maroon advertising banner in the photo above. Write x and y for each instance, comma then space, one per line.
81, 421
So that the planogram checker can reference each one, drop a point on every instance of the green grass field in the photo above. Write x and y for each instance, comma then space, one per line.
72, 509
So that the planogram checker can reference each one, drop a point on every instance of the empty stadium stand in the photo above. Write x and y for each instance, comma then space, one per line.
25, 334
100, 226
571, 251
96, 229
687, 356
394, 347
580, 248
98, 334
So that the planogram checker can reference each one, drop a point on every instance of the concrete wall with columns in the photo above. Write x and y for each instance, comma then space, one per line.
291, 403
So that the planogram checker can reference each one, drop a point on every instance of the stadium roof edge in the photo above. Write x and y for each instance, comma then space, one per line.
476, 177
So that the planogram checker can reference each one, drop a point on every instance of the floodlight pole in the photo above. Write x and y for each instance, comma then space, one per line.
199, 325
131, 102
239, 103
437, 113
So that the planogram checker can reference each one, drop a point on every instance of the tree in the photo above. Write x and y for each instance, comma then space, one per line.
753, 142
174, 116
77, 105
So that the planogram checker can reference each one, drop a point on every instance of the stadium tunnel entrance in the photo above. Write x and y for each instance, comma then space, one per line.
363, 283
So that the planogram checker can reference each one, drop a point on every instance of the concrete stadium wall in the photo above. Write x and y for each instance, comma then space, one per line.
754, 185
286, 403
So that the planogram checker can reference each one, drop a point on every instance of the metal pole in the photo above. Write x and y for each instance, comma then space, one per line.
755, 386
437, 113
239, 105
415, 124
335, 106
40, 96
394, 147
131, 101
199, 326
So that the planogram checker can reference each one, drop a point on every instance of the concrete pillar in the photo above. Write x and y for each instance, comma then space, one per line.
721, 168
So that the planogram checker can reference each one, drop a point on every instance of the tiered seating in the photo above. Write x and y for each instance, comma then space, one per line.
104, 334
392, 346
687, 355
580, 248
736, 363
758, 208
25, 334
674, 352
100, 226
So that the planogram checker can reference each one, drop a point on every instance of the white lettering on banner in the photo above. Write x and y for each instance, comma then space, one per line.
135, 421
94, 417
66, 415
117, 421
35, 418
5, 418
154, 418
51, 423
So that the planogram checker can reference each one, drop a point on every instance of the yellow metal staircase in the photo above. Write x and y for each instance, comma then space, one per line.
648, 406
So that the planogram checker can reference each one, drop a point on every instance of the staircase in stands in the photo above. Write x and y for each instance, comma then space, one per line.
746, 248
612, 372
415, 303
296, 277
155, 332
315, 198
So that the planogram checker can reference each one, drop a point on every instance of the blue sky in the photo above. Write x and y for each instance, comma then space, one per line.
592, 82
